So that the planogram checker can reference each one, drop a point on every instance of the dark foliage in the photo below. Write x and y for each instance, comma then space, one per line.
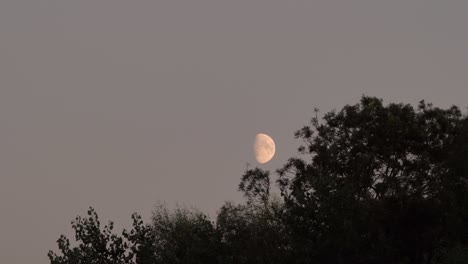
374, 183
382, 184
95, 245
255, 184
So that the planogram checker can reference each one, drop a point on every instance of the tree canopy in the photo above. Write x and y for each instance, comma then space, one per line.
372, 183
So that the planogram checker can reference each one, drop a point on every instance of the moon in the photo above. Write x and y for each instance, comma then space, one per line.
264, 148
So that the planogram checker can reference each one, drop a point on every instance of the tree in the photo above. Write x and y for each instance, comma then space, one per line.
252, 233
96, 245
378, 184
373, 183
255, 184
141, 241
184, 236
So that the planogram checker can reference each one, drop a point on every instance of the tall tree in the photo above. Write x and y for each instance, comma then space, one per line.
375, 184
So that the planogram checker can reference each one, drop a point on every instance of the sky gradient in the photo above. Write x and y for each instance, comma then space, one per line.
120, 104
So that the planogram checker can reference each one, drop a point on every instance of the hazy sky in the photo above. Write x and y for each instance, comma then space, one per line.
119, 104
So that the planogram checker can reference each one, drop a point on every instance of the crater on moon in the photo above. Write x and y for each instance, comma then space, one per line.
264, 148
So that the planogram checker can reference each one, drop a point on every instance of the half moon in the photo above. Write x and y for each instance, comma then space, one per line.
264, 148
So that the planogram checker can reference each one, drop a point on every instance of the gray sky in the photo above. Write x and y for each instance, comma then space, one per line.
119, 104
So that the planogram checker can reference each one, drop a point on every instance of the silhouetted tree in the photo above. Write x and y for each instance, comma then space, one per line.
141, 241
255, 184
373, 183
184, 236
96, 245
252, 233
181, 236
377, 184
